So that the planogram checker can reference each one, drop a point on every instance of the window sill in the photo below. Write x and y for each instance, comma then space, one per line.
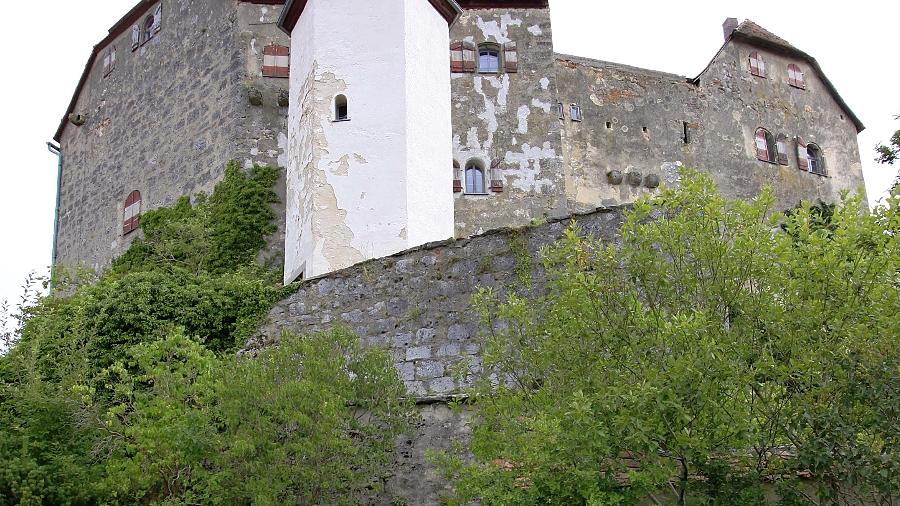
340, 120
476, 194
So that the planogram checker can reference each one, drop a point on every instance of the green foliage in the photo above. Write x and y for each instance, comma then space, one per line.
888, 154
128, 389
706, 353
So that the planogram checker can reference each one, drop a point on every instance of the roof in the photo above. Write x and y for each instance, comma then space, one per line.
449, 9
753, 34
131, 17
627, 68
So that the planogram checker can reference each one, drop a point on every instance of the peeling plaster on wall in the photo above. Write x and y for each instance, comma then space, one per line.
523, 113
545, 83
498, 32
544, 106
529, 163
535, 30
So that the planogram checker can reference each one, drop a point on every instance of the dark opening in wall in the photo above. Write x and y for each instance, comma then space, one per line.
609, 125
340, 108
687, 132
644, 129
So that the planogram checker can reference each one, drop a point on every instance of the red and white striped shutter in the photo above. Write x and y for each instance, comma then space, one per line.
754, 63
112, 58
511, 57
457, 182
496, 177
469, 54
781, 146
282, 61
132, 212
106, 66
802, 155
762, 65
456, 57
135, 37
792, 79
268, 69
157, 18
762, 147
798, 77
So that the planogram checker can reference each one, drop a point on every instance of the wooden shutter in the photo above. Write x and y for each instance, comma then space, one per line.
781, 146
510, 57
469, 54
795, 76
132, 212
802, 155
457, 182
112, 58
762, 146
456, 57
106, 64
135, 37
757, 65
276, 61
157, 19
496, 177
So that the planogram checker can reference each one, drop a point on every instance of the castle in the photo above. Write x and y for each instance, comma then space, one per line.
404, 122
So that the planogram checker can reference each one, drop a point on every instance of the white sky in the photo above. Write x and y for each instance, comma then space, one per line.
46, 45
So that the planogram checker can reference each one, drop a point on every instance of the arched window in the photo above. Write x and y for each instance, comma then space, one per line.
765, 146
781, 145
340, 108
488, 59
474, 178
148, 28
815, 160
132, 213
757, 65
795, 77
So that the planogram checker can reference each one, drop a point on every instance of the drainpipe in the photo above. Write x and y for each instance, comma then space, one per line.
55, 149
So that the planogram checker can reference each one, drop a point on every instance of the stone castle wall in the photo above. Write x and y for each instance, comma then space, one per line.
418, 304
166, 120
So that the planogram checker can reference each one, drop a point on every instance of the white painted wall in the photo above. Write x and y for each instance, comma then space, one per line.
429, 148
379, 183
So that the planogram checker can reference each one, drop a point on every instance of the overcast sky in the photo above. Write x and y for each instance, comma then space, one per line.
46, 46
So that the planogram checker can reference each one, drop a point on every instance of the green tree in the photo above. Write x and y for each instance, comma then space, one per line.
705, 353
127, 388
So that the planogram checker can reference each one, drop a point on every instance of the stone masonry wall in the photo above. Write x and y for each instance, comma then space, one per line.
418, 304
166, 120
633, 122
508, 117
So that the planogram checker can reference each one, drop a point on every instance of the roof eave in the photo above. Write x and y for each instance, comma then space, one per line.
290, 14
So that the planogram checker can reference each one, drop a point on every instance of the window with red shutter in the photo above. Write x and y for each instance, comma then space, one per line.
757, 65
765, 146
496, 177
802, 155
456, 57
469, 53
795, 77
510, 57
457, 182
781, 146
132, 213
276, 61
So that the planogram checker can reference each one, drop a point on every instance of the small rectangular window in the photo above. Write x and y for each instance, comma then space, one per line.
575, 111
561, 110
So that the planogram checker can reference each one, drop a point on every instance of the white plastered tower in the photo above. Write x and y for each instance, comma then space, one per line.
374, 179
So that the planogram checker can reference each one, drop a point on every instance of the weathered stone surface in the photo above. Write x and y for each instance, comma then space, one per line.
417, 305
166, 120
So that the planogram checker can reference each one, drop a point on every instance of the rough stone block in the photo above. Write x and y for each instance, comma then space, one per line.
417, 353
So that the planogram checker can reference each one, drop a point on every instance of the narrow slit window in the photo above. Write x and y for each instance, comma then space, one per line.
340, 108
686, 129
561, 110
474, 178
